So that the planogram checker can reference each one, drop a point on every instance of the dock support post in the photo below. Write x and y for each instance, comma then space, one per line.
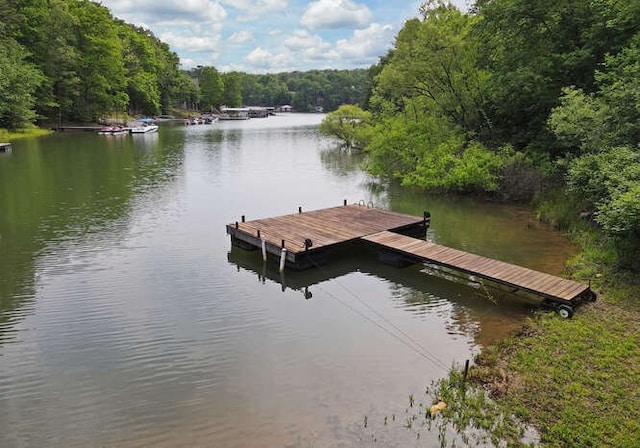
426, 219
263, 243
283, 258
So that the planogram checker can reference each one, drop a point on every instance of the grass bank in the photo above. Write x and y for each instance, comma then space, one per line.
10, 136
576, 381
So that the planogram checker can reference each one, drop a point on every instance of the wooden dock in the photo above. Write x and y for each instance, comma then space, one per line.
5, 147
308, 236
302, 240
550, 287
78, 128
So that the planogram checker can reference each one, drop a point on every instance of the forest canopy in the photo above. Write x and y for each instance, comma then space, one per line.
507, 99
71, 60
510, 99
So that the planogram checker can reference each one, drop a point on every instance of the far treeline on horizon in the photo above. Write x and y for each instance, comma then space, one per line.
514, 99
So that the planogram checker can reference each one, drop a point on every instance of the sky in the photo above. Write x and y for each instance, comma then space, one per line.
272, 36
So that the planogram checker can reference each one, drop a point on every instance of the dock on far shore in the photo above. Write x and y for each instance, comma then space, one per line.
303, 240
5, 147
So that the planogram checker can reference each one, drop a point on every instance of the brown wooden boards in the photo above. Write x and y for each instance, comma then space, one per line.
490, 269
324, 227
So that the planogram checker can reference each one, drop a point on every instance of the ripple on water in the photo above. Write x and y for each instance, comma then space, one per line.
133, 327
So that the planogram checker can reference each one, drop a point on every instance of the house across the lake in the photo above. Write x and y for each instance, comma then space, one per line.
285, 108
234, 113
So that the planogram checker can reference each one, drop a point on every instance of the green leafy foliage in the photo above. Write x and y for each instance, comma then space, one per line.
603, 126
211, 88
429, 105
349, 124
232, 89
19, 80
309, 91
92, 64
579, 121
429, 154
535, 48
435, 63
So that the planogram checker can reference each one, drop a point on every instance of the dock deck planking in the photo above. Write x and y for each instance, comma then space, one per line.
493, 270
325, 228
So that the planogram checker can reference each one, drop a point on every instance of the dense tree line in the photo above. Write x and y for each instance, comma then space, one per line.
71, 60
510, 98
304, 91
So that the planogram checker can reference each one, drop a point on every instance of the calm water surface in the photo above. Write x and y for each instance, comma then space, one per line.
127, 320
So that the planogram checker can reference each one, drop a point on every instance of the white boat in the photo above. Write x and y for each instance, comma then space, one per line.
234, 113
113, 130
144, 128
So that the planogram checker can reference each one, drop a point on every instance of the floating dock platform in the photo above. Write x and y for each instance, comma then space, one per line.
304, 239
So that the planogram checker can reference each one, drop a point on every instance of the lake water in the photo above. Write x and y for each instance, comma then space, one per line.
128, 320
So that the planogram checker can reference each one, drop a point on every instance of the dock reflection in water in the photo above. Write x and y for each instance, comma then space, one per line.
486, 315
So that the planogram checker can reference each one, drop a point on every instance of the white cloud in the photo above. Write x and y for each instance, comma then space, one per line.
241, 37
366, 44
168, 12
311, 47
302, 39
264, 59
289, 34
194, 44
332, 14
253, 10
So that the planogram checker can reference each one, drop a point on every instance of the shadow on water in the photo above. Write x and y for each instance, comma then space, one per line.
486, 315
61, 190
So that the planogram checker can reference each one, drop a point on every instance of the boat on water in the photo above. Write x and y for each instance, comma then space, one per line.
204, 119
234, 113
144, 128
113, 130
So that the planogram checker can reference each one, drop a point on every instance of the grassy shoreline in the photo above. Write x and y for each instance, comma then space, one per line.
10, 136
575, 381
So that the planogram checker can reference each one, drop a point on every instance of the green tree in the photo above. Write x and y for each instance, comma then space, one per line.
429, 106
434, 67
535, 48
102, 71
579, 122
211, 88
232, 89
19, 80
141, 66
604, 162
349, 124
609, 183
619, 86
